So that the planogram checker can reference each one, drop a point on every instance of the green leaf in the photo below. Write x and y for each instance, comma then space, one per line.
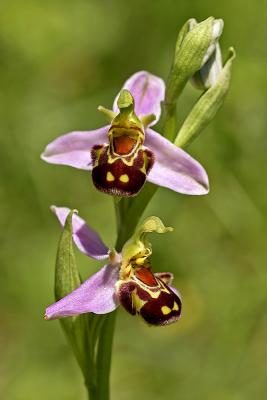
67, 279
66, 275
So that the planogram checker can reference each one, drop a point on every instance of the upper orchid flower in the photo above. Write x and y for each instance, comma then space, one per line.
126, 153
126, 279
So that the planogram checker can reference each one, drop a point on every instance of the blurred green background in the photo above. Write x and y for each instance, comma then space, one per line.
58, 61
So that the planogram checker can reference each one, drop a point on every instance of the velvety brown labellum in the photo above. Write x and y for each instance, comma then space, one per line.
147, 295
117, 175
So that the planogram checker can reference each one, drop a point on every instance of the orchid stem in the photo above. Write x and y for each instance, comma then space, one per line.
101, 391
170, 127
103, 362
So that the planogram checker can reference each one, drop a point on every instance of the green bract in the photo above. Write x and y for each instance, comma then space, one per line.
67, 279
207, 106
66, 274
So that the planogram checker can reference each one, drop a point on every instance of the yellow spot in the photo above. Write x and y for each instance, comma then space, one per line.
124, 178
165, 310
137, 302
175, 306
140, 261
110, 177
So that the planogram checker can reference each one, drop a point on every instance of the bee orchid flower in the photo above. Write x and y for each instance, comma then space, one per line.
127, 152
126, 279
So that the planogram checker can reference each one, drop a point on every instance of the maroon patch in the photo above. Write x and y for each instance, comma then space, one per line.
117, 178
161, 307
125, 296
152, 311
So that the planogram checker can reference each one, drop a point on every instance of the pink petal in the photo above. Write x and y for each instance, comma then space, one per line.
148, 91
96, 295
174, 168
74, 149
85, 238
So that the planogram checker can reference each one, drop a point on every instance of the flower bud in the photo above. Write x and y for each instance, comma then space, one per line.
211, 67
195, 44
207, 105
207, 76
217, 28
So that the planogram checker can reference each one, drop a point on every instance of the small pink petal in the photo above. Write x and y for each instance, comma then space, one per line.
174, 168
96, 294
85, 238
74, 149
148, 91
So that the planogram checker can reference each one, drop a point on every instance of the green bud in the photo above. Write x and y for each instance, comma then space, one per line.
211, 67
207, 105
207, 76
195, 43
217, 28
138, 244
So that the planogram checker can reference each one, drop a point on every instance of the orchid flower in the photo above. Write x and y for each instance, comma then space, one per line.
127, 152
126, 279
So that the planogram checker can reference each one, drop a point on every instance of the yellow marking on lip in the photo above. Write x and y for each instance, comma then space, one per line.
143, 169
154, 295
137, 303
124, 178
110, 177
165, 310
175, 306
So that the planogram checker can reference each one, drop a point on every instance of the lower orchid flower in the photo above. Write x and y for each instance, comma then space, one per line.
126, 153
126, 279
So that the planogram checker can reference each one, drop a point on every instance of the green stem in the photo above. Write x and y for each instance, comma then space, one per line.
170, 126
101, 390
92, 392
103, 360
133, 213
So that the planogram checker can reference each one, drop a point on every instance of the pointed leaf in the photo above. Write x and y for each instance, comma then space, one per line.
66, 275
66, 280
